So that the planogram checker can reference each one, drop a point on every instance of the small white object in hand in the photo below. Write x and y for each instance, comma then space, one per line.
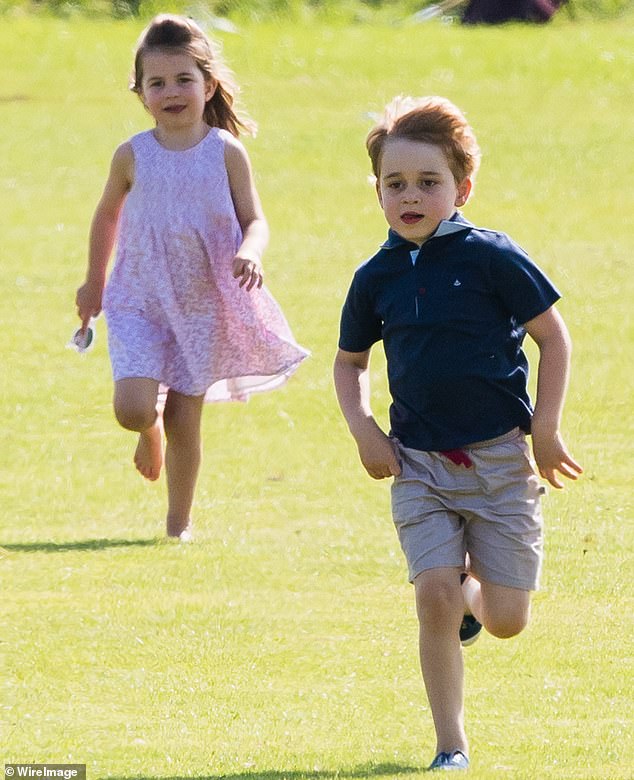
83, 341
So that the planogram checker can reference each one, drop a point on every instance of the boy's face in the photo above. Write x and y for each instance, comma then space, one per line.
416, 188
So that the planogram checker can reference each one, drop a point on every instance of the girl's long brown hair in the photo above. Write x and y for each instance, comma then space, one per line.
169, 32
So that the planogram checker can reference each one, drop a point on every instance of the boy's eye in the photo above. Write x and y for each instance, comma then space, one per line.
429, 183
394, 185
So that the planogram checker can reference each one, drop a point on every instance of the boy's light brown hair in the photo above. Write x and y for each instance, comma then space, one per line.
431, 120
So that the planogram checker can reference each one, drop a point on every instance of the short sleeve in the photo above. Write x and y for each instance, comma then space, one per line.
523, 287
360, 326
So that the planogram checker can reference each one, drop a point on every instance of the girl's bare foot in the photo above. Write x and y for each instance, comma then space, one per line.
148, 457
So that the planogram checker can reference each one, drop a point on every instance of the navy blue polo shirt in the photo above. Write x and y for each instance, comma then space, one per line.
450, 315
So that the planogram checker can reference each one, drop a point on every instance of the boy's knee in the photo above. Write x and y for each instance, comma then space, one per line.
505, 611
507, 625
438, 597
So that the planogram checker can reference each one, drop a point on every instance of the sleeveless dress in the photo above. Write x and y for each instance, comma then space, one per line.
173, 309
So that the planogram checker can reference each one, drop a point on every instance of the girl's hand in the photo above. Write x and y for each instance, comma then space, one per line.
88, 300
249, 271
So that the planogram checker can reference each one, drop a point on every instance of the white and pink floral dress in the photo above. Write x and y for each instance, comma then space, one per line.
173, 309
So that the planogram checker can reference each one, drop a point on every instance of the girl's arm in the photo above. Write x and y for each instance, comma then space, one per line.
549, 332
103, 233
377, 451
247, 264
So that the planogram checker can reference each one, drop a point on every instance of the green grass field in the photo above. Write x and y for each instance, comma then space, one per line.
282, 644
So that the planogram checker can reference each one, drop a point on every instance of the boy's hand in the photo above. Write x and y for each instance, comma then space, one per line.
549, 332
88, 300
378, 454
552, 456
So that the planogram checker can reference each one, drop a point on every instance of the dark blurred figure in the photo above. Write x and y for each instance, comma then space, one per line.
500, 11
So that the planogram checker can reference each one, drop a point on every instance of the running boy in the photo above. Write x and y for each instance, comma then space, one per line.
452, 303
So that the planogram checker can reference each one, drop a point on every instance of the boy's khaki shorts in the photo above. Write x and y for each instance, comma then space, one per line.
490, 510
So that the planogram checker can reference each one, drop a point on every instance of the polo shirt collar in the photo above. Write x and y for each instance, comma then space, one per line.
455, 224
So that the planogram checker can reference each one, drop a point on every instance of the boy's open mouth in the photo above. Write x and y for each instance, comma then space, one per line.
410, 217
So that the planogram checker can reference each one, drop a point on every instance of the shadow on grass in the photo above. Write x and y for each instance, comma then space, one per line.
378, 770
85, 545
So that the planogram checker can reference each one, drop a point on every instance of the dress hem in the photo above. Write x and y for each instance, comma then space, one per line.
239, 388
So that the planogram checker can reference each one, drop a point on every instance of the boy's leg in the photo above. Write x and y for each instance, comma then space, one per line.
181, 418
440, 608
504, 535
503, 611
135, 409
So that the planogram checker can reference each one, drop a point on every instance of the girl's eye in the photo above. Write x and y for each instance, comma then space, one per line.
429, 183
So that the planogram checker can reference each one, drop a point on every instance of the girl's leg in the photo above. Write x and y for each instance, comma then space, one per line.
182, 457
503, 611
440, 607
135, 409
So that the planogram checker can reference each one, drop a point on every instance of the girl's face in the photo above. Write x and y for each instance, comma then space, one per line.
174, 89
416, 188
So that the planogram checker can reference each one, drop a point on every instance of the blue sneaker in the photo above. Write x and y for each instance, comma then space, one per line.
449, 761
469, 630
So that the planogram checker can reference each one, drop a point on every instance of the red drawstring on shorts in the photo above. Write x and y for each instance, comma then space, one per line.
459, 457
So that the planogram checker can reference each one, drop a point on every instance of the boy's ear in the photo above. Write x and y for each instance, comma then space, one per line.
464, 190
377, 187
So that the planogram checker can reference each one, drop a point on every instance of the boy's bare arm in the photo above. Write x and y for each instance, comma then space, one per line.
549, 332
377, 451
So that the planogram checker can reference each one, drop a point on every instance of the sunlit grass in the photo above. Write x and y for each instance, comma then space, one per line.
283, 643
